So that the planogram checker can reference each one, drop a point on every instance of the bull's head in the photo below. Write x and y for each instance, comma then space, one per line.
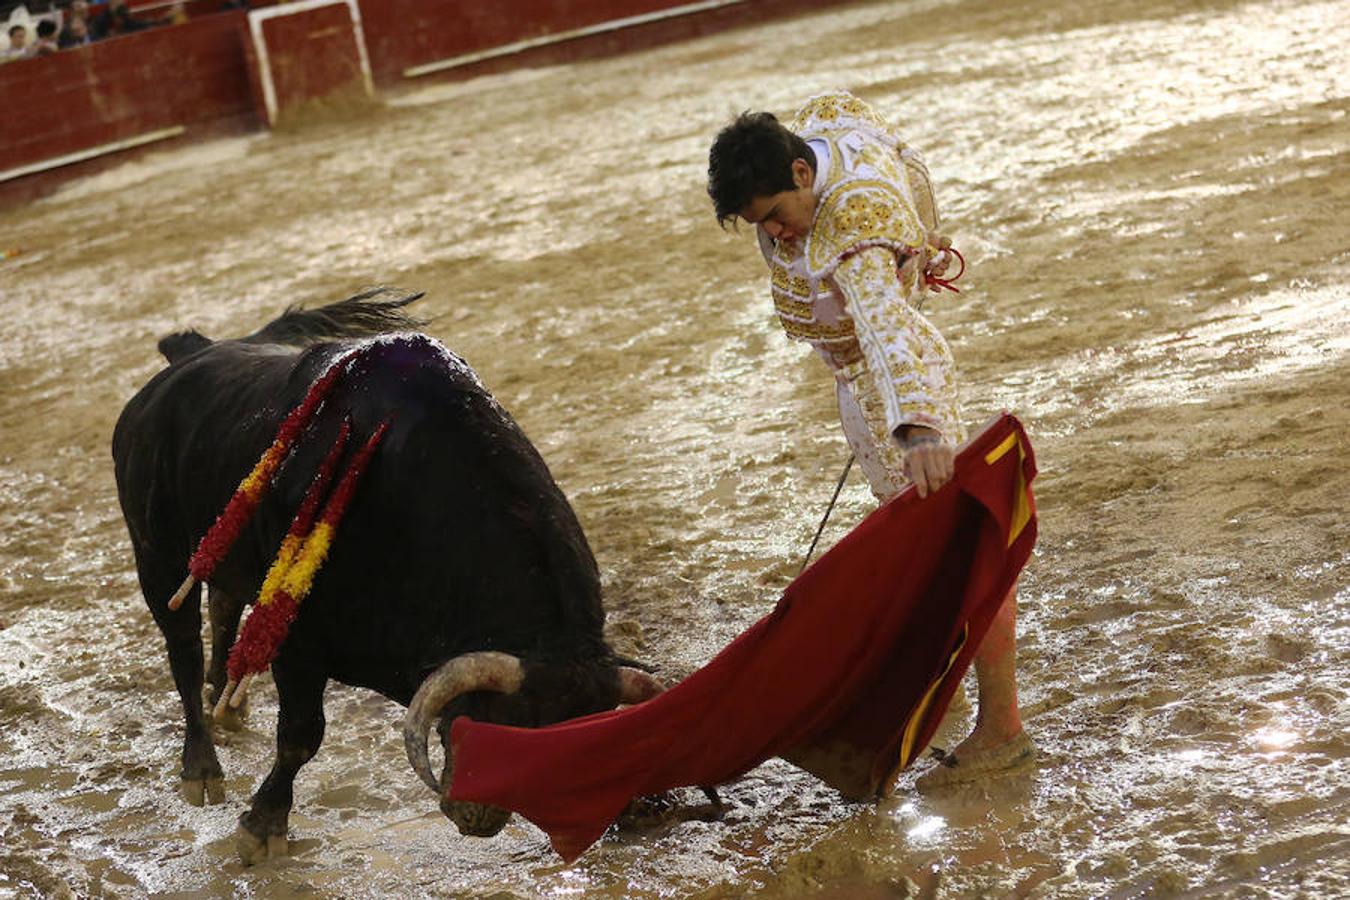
504, 674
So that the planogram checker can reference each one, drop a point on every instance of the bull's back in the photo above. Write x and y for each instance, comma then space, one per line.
183, 442
457, 536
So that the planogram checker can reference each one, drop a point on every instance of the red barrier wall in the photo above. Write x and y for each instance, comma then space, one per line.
191, 75
203, 74
653, 33
404, 33
312, 54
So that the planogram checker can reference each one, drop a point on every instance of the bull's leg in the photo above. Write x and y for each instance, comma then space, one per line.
300, 725
203, 779
225, 610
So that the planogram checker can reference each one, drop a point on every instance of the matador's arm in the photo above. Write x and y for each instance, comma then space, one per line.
892, 334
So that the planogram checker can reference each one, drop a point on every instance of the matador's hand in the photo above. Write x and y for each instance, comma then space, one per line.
939, 258
927, 262
929, 462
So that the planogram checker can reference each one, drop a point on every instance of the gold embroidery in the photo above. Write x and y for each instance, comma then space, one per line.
907, 359
833, 109
894, 363
792, 308
818, 332
784, 281
861, 212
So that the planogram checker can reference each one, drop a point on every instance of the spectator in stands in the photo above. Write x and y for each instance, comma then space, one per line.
46, 38
76, 31
18, 44
75, 34
115, 18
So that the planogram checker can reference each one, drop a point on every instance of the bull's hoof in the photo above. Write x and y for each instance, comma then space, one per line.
201, 791
253, 849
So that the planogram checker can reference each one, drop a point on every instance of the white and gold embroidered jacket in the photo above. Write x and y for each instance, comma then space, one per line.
839, 289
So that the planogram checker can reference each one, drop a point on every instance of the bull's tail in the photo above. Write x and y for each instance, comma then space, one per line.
377, 310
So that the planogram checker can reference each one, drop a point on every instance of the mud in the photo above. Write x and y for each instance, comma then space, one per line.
1152, 203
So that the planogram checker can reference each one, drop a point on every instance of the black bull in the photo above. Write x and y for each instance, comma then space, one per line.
459, 581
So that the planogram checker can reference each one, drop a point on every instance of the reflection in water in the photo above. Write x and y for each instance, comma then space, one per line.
928, 827
1275, 739
1152, 205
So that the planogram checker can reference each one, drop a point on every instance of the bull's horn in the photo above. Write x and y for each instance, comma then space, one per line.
486, 670
636, 686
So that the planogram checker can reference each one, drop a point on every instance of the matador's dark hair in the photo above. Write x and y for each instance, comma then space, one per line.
752, 157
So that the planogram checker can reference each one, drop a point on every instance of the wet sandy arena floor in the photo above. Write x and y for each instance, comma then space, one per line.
1153, 204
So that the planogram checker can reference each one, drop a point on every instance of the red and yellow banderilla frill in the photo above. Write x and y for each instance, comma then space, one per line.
291, 574
220, 537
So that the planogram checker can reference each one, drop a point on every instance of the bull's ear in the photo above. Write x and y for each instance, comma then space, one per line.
182, 344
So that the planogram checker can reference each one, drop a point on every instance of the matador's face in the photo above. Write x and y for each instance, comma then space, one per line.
786, 215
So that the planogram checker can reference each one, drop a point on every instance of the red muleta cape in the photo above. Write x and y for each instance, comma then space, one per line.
847, 678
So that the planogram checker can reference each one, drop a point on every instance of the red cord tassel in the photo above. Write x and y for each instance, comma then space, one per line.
946, 283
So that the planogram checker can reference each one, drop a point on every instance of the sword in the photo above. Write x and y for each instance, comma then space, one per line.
829, 509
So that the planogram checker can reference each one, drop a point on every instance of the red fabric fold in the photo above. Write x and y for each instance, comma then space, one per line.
847, 677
